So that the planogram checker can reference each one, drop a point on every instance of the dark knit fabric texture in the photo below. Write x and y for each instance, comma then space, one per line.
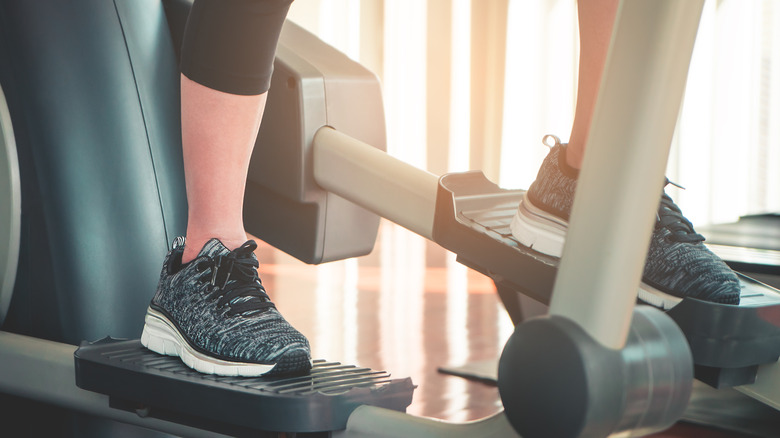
218, 303
553, 189
677, 262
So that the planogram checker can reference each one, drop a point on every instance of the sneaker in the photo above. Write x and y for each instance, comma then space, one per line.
678, 263
214, 314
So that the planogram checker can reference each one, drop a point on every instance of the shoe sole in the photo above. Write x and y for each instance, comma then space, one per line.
545, 233
162, 337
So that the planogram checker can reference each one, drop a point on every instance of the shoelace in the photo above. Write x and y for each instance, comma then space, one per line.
670, 217
235, 283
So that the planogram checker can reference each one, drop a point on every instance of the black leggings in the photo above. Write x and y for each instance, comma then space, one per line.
229, 45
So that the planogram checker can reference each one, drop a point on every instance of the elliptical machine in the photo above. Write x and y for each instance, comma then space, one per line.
91, 113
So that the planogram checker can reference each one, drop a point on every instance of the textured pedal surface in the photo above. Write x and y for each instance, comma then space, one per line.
473, 217
318, 401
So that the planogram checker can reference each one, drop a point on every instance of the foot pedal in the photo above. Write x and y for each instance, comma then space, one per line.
139, 380
473, 217
728, 342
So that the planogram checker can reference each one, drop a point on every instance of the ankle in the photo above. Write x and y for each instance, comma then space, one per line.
195, 243
565, 166
573, 155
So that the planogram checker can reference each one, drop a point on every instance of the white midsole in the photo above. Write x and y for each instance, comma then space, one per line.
545, 233
162, 337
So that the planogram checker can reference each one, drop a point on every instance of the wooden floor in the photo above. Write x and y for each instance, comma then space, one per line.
407, 308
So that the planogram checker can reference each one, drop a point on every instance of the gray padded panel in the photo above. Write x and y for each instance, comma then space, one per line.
95, 112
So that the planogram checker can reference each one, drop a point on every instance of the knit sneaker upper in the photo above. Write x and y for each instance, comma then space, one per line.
553, 189
677, 263
219, 305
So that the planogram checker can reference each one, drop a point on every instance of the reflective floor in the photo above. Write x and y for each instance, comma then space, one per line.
408, 308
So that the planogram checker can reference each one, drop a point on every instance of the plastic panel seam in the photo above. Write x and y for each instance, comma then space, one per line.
146, 129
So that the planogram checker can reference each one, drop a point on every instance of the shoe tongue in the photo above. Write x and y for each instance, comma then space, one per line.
214, 248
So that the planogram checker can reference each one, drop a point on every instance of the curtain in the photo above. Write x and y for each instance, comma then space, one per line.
476, 84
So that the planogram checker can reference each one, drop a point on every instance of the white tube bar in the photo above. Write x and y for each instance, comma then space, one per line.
766, 388
373, 422
45, 371
376, 181
623, 170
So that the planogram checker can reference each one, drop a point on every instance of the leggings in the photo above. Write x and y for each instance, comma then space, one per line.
229, 45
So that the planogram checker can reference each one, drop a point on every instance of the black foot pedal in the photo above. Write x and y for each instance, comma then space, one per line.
139, 380
728, 342
473, 217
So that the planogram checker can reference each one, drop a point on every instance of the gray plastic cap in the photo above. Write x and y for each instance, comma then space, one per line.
555, 380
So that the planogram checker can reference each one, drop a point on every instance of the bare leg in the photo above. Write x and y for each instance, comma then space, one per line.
228, 325
596, 18
218, 134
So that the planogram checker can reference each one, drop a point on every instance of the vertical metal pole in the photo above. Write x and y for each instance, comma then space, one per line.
623, 169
